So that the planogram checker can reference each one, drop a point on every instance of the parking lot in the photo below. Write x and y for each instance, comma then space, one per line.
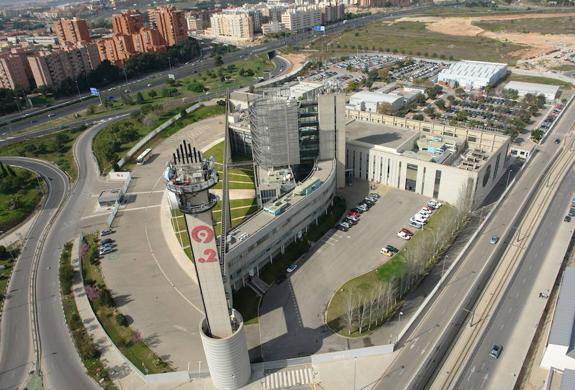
292, 313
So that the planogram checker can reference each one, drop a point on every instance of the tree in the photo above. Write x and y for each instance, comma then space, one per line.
152, 93
140, 98
537, 135
196, 87
218, 60
105, 297
349, 301
122, 320
91, 110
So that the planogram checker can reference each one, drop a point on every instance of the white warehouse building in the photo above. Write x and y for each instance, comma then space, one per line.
549, 91
472, 74
370, 101
434, 160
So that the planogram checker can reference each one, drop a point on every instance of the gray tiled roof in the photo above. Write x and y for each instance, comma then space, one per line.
563, 320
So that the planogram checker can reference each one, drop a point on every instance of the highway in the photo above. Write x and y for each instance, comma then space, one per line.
424, 346
476, 374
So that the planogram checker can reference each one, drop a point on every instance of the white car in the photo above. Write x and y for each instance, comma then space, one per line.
424, 212
415, 224
404, 235
434, 204
412, 219
420, 218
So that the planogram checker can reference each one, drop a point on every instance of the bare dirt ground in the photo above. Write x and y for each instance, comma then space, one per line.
539, 44
296, 60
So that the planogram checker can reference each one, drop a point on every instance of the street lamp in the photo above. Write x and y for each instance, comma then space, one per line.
508, 175
400, 314
78, 89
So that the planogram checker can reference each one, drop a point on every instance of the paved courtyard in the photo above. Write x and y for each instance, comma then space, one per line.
292, 313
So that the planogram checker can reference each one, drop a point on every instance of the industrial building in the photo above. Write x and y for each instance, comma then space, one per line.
374, 101
549, 91
434, 160
472, 74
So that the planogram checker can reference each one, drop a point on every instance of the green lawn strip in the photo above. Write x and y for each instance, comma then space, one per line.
552, 25
56, 148
365, 285
8, 258
239, 178
85, 346
129, 341
564, 67
298, 248
246, 301
20, 192
413, 38
539, 80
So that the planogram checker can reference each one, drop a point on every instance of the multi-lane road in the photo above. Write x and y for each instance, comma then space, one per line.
422, 348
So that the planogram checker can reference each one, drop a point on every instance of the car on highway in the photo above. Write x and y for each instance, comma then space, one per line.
291, 268
404, 235
493, 240
557, 141
567, 219
495, 351
106, 232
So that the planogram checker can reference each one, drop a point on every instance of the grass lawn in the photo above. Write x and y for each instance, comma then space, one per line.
56, 148
246, 301
19, 196
181, 231
412, 38
366, 284
239, 178
129, 341
558, 25
84, 345
539, 80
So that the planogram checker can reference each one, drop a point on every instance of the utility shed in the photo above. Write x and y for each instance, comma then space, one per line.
108, 198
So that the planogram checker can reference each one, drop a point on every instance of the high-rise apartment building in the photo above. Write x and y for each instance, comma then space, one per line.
127, 23
301, 18
235, 26
170, 22
71, 30
14, 71
147, 40
116, 49
332, 13
51, 68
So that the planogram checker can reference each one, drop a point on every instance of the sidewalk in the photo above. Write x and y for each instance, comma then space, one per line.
20, 232
120, 371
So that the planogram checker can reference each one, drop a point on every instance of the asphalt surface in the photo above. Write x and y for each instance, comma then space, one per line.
61, 365
422, 349
157, 79
476, 374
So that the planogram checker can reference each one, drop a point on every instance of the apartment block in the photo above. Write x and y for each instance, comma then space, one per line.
199, 20
51, 68
147, 40
170, 22
14, 71
116, 49
332, 13
128, 22
302, 18
236, 26
254, 13
71, 30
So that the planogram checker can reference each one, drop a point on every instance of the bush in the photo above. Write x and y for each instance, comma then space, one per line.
105, 297
122, 320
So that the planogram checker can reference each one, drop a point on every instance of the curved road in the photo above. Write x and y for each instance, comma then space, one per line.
60, 363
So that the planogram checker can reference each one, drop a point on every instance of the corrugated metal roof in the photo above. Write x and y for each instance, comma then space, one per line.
568, 380
564, 317
534, 88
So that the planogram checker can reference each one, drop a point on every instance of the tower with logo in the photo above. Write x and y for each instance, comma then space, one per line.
190, 176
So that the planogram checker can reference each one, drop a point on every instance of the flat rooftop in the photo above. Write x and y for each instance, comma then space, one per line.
379, 134
262, 218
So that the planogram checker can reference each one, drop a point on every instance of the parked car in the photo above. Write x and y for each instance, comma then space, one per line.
342, 227
291, 268
375, 195
494, 240
406, 231
389, 250
366, 205
495, 351
424, 212
419, 218
352, 218
106, 241
434, 204
105, 251
358, 210
404, 235
354, 214
567, 219
415, 224
350, 221
106, 232
363, 207
392, 248
557, 141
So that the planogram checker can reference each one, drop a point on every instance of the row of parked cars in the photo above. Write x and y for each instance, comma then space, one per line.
353, 217
419, 219
106, 244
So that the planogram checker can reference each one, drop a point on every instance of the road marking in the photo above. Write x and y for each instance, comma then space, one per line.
141, 208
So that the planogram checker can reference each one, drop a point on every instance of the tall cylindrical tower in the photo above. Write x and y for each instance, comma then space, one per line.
189, 176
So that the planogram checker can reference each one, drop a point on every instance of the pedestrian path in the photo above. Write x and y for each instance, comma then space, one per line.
284, 379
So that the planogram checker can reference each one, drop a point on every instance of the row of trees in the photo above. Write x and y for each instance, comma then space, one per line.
364, 311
